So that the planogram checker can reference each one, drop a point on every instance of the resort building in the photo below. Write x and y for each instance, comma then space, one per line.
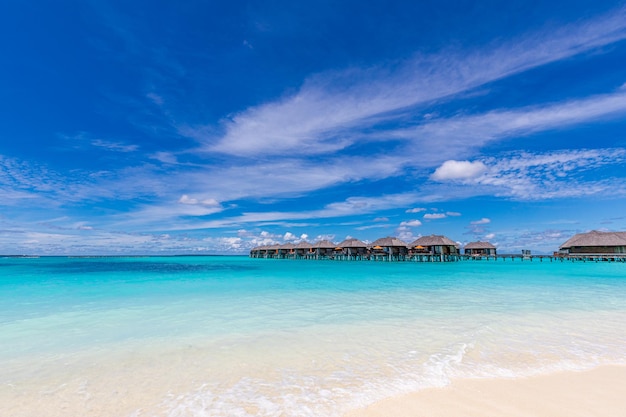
389, 248
591, 246
286, 251
303, 250
266, 251
480, 249
323, 249
351, 249
595, 242
434, 245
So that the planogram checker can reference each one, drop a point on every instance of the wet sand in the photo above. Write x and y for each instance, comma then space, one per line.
597, 393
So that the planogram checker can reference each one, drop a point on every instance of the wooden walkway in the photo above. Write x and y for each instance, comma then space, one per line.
454, 257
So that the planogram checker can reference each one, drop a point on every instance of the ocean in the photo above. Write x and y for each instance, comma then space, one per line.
234, 336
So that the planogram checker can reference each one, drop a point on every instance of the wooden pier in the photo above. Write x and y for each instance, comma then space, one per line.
586, 247
431, 257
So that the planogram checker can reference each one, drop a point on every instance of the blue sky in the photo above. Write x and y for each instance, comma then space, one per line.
152, 127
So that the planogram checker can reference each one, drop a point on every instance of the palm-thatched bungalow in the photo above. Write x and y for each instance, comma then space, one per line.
264, 251
437, 246
390, 248
351, 249
323, 249
480, 249
302, 249
286, 250
596, 243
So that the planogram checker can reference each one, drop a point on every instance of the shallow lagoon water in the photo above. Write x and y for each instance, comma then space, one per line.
233, 336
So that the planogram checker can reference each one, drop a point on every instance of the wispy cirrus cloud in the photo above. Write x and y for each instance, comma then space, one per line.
153, 217
23, 180
330, 110
439, 139
114, 146
85, 139
462, 135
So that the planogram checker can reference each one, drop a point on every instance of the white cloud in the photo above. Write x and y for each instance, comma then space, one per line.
352, 206
411, 223
184, 199
490, 236
484, 220
155, 98
371, 226
405, 233
251, 179
114, 146
226, 244
456, 136
453, 213
434, 216
367, 204
416, 210
208, 202
552, 175
81, 138
289, 237
458, 170
165, 157
328, 237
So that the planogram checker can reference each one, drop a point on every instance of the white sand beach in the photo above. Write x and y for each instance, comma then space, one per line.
597, 393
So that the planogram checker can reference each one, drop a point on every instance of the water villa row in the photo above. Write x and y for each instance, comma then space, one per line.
594, 246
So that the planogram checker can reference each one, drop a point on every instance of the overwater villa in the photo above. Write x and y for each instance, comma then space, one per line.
391, 248
430, 248
595, 243
595, 246
435, 246
302, 250
479, 249
351, 249
322, 249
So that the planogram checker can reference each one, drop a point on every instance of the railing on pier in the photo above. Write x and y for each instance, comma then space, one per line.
436, 257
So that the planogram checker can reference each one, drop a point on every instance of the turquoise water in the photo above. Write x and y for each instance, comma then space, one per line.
233, 336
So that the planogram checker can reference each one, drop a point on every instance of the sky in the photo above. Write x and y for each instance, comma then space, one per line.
211, 127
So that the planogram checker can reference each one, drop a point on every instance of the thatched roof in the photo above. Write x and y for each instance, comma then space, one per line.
304, 245
386, 242
596, 238
287, 246
352, 243
324, 244
479, 245
432, 240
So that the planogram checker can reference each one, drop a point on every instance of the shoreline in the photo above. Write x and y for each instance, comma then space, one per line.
598, 392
